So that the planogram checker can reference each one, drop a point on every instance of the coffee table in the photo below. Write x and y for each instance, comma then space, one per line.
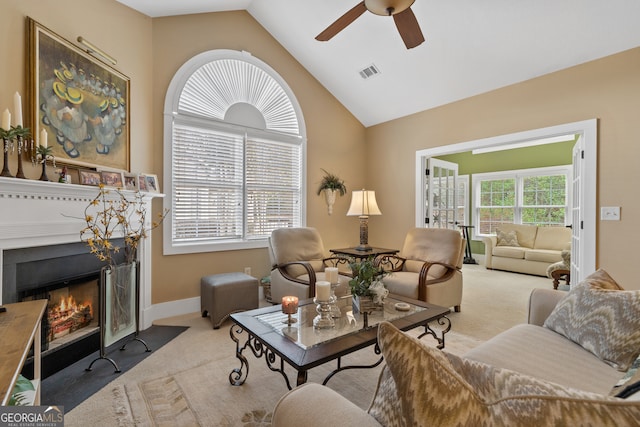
265, 333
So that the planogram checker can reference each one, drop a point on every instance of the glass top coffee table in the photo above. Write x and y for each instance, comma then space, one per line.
265, 333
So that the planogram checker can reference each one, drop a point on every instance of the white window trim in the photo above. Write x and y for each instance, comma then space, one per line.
464, 180
518, 175
171, 107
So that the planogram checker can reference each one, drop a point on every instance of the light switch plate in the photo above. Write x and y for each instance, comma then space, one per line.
610, 213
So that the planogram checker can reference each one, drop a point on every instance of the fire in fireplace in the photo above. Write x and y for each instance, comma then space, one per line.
70, 310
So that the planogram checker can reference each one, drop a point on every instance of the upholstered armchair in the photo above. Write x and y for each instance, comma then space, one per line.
298, 261
428, 268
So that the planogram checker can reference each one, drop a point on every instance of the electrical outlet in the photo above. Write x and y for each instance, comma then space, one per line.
610, 213
247, 271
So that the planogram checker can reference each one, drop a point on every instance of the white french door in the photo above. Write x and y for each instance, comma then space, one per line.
441, 188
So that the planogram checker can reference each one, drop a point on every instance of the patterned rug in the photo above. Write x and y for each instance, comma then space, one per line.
203, 396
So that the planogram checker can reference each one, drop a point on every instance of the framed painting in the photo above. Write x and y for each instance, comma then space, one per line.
80, 101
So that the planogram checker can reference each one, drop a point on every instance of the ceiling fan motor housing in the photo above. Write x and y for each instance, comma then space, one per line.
387, 7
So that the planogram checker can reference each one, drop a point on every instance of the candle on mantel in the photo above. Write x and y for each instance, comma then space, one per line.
331, 274
6, 119
323, 290
43, 138
17, 110
289, 305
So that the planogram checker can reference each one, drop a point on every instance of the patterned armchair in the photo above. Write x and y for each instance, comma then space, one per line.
298, 261
428, 268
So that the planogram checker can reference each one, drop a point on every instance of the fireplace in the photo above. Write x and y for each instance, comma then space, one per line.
40, 225
68, 276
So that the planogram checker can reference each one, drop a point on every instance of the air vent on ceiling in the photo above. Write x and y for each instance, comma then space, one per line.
370, 71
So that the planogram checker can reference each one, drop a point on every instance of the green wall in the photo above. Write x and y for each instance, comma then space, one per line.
557, 154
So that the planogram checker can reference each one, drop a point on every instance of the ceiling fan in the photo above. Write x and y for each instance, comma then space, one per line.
403, 16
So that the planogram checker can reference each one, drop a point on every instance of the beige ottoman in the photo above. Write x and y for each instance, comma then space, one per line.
227, 293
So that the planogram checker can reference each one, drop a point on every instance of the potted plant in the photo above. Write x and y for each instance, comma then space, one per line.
330, 185
367, 290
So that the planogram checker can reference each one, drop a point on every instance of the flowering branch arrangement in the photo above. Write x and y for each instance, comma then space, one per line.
109, 217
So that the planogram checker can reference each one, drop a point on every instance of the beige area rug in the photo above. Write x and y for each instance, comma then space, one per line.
186, 382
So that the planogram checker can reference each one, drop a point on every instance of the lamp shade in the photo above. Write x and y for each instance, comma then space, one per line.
363, 203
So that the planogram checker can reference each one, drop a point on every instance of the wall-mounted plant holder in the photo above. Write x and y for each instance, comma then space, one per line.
331, 185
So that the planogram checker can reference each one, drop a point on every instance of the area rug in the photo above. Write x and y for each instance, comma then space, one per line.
186, 383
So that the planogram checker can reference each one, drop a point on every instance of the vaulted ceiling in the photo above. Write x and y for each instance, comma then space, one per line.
471, 46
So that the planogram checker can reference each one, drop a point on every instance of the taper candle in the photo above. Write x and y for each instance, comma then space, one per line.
323, 290
6, 119
43, 138
17, 107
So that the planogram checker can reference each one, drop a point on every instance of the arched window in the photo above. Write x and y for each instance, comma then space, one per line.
234, 156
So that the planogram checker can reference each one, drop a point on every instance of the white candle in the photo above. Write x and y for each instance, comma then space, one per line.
323, 290
331, 274
17, 109
6, 119
43, 138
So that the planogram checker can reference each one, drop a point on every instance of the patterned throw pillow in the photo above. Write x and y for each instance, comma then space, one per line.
507, 238
601, 318
630, 383
439, 389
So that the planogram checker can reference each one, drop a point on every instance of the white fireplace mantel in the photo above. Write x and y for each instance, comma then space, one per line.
36, 213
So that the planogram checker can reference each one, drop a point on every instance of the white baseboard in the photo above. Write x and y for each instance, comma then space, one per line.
169, 309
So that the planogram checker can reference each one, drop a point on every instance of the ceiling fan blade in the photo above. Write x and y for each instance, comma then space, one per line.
342, 22
408, 28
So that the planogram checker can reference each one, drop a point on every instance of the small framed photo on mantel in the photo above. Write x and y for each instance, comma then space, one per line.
112, 179
130, 181
148, 183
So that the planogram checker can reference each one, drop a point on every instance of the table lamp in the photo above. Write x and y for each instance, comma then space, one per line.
363, 204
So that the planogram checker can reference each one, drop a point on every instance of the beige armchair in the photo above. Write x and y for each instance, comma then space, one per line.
298, 261
428, 268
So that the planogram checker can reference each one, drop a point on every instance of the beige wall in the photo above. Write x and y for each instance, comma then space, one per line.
150, 51
94, 20
335, 141
607, 89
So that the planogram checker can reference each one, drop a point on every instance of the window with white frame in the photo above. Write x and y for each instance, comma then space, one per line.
236, 163
462, 195
532, 196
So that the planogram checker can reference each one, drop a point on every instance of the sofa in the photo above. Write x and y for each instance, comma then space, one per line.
525, 249
550, 371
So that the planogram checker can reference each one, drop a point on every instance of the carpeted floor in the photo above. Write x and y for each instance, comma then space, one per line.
74, 384
186, 383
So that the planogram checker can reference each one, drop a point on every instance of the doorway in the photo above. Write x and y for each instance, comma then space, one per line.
583, 215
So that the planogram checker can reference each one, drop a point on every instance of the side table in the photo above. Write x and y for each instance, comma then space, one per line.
359, 255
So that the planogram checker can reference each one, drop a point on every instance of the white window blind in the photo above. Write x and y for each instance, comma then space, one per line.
273, 186
235, 136
208, 184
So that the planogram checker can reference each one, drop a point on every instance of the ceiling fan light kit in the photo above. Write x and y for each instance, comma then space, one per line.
403, 17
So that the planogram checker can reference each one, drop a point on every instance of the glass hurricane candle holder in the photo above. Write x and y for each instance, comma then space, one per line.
289, 307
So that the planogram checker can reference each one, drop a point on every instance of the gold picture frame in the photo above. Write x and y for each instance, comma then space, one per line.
81, 102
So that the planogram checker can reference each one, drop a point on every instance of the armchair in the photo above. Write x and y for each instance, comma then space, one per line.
428, 268
298, 261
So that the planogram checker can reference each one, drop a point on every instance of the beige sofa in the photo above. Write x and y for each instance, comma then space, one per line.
534, 251
527, 375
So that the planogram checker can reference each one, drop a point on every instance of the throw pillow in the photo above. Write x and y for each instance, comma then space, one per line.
507, 238
440, 389
630, 383
601, 318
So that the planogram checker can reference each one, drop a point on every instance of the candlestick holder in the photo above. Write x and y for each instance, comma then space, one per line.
336, 313
324, 320
20, 173
42, 155
7, 144
289, 320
